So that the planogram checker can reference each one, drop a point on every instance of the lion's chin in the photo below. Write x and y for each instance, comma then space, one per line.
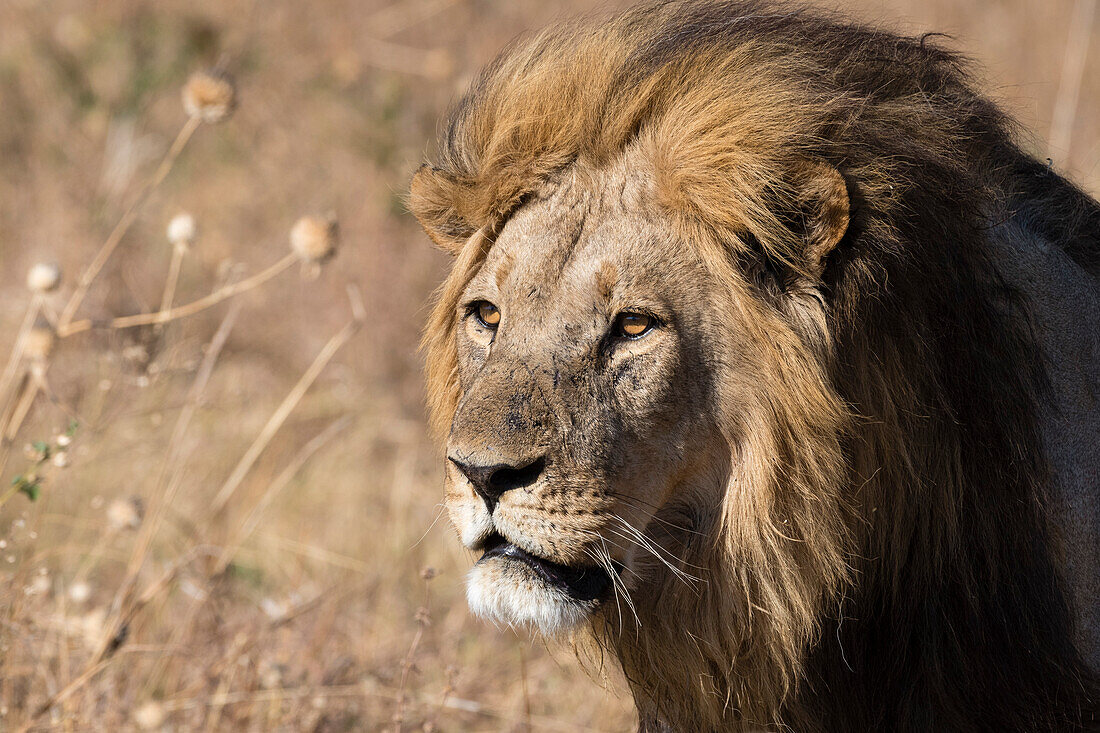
506, 591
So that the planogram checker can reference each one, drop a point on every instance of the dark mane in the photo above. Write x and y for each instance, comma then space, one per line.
957, 618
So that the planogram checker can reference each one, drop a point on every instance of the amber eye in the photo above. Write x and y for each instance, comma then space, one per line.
633, 325
487, 314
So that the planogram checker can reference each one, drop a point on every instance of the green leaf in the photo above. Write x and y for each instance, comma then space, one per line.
31, 490
249, 574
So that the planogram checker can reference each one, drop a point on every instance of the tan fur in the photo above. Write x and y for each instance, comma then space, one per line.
817, 485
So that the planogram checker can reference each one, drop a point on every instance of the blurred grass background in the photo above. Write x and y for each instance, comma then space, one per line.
344, 609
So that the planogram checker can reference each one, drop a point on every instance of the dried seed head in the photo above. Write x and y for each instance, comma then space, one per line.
39, 586
150, 716
274, 609
44, 277
210, 96
181, 230
79, 592
271, 675
428, 573
313, 239
39, 342
90, 626
191, 590
61, 459
125, 513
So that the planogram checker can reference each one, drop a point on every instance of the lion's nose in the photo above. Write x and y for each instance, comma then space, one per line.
492, 480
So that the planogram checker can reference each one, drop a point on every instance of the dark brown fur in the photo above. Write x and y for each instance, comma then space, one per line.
953, 615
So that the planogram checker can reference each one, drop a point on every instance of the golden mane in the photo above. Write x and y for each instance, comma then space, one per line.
896, 536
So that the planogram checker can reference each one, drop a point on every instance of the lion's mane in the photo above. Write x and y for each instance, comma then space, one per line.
895, 567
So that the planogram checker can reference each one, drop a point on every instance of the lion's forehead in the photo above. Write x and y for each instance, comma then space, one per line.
573, 246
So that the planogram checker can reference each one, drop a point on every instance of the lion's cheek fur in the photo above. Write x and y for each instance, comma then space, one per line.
466, 511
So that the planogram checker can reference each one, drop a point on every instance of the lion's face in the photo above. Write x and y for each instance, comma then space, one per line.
584, 381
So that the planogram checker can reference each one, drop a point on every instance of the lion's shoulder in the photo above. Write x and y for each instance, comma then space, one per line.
1063, 304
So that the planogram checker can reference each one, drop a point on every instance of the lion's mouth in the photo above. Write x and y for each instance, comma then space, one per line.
580, 583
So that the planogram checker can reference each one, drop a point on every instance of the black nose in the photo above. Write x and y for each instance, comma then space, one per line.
492, 480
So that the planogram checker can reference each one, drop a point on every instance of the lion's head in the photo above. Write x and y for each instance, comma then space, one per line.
599, 350
616, 374
673, 360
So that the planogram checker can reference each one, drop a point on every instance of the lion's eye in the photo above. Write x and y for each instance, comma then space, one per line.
487, 314
633, 325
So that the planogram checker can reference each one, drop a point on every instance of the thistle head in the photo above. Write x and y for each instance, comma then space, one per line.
181, 230
210, 96
313, 239
44, 277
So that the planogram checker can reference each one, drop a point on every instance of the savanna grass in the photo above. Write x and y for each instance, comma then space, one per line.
130, 528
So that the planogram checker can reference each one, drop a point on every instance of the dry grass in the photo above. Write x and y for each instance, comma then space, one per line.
240, 530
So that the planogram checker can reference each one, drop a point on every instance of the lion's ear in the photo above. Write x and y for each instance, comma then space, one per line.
433, 197
824, 208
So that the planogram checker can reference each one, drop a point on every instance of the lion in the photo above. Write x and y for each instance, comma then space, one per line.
769, 361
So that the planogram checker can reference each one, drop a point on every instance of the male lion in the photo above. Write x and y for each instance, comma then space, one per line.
770, 358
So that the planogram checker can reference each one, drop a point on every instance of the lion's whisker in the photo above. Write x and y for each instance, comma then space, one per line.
617, 583
656, 550
682, 576
645, 505
614, 589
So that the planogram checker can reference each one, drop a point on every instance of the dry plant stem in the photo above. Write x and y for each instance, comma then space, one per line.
422, 620
163, 498
23, 406
6, 415
100, 659
215, 712
12, 367
32, 385
11, 370
123, 225
259, 444
189, 309
274, 488
289, 403
340, 691
63, 694
1073, 71
182, 628
526, 694
154, 590
406, 669
63, 655
274, 423
334, 559
172, 279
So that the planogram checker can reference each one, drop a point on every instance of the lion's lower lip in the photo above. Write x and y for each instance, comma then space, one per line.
582, 584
